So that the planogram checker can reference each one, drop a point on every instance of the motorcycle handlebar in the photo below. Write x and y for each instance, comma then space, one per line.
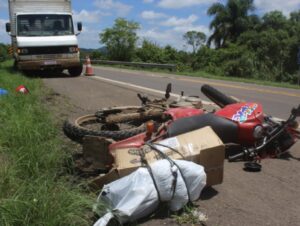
251, 152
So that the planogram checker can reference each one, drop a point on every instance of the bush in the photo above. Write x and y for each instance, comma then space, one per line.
3, 52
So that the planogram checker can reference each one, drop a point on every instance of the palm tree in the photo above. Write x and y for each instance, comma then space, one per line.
230, 21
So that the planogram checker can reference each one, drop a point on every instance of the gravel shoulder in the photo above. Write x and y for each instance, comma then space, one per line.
270, 197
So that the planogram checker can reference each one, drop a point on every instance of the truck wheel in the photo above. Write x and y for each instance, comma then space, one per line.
75, 71
15, 66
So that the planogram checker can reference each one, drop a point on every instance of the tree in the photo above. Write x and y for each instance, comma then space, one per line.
150, 52
170, 54
96, 54
120, 40
295, 16
275, 20
195, 39
229, 21
272, 49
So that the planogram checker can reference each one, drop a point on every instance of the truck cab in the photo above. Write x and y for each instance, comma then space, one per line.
44, 40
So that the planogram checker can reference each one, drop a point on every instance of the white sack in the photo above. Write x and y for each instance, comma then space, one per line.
134, 196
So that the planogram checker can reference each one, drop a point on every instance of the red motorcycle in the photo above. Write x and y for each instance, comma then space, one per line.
242, 126
119, 123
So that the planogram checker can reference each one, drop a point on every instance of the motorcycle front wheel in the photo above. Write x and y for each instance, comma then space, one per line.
95, 125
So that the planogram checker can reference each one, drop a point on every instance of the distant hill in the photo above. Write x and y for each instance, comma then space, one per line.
102, 50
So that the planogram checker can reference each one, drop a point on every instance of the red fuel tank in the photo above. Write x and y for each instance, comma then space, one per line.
247, 116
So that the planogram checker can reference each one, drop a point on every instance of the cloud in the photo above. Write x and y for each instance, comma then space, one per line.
174, 21
148, 1
177, 27
118, 8
89, 38
87, 16
3, 4
175, 4
151, 15
162, 37
2, 22
185, 29
185, 24
4, 37
269, 5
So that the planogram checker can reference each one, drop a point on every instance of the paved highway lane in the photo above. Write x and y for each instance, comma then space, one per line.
276, 101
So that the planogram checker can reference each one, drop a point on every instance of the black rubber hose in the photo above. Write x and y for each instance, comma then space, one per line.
216, 96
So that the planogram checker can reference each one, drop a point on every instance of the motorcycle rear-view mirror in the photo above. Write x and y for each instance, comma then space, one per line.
143, 98
168, 91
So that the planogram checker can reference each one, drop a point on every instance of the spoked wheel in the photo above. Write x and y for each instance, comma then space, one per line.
95, 124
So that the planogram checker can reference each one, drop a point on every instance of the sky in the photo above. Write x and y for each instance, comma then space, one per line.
161, 21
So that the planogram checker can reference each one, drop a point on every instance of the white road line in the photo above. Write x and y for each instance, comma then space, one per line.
142, 88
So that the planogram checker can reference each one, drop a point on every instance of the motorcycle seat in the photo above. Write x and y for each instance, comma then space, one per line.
227, 130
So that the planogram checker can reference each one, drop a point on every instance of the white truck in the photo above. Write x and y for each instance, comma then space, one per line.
43, 36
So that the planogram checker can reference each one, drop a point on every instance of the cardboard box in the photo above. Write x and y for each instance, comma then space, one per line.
201, 146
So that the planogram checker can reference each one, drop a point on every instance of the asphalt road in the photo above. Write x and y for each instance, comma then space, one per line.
276, 101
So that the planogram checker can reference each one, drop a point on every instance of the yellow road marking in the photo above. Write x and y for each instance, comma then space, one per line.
242, 87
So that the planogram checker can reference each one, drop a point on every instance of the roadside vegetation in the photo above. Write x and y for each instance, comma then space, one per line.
4, 55
35, 188
242, 45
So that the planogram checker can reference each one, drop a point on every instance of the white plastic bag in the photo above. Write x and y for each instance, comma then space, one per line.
135, 196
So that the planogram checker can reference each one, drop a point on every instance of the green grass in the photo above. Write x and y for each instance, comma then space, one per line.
190, 215
204, 74
35, 189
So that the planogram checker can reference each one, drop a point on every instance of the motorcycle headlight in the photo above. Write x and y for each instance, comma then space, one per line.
258, 132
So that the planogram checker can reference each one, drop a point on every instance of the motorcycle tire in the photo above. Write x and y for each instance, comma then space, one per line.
89, 125
217, 97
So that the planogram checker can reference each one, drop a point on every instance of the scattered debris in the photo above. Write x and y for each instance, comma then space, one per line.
3, 92
190, 215
22, 89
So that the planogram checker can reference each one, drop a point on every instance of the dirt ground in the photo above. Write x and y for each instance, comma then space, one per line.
270, 197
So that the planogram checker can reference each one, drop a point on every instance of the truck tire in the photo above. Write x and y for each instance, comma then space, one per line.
91, 125
75, 71
15, 65
217, 97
